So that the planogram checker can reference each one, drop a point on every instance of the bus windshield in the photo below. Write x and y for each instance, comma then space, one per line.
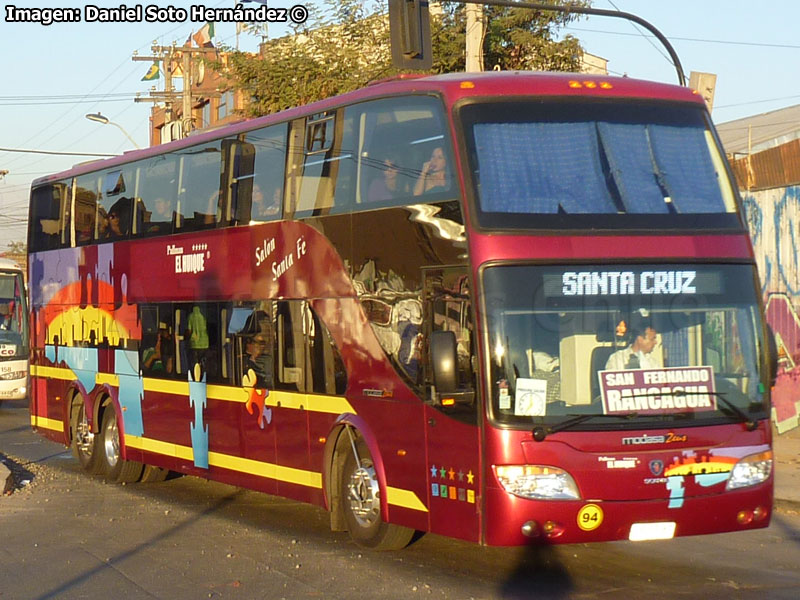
567, 163
13, 314
641, 343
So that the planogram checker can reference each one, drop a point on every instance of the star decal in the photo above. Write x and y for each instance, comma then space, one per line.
470, 476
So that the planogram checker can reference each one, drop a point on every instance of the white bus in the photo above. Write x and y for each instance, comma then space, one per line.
14, 340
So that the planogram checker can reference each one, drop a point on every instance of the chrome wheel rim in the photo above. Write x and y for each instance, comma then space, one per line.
84, 438
111, 442
363, 495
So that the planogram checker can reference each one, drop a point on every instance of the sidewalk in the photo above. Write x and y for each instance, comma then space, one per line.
787, 465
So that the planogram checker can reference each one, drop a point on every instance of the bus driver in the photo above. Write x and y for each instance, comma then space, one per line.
639, 354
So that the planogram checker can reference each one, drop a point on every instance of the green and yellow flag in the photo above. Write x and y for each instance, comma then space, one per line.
153, 73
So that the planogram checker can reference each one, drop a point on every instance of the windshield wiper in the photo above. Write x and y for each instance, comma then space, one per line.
744, 417
541, 432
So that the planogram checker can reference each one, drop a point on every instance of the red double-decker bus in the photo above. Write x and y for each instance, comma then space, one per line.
506, 307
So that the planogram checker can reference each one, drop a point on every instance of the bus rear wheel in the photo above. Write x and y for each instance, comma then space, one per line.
361, 505
85, 444
112, 466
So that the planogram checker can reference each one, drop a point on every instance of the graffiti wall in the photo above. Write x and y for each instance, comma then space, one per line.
774, 220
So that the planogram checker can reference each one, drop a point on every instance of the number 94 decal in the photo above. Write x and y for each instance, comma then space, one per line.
590, 517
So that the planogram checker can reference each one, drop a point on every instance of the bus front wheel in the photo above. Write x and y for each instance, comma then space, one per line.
113, 466
360, 501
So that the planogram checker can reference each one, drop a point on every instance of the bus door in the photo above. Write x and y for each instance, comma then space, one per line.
451, 411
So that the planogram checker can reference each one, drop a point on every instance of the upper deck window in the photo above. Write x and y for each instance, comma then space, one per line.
602, 165
49, 221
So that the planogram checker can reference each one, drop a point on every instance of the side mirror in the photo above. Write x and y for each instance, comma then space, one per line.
445, 361
772, 359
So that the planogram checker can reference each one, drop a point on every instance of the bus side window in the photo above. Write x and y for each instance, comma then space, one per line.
201, 193
395, 138
157, 357
448, 308
327, 369
320, 163
261, 191
290, 366
157, 189
116, 205
86, 197
50, 217
198, 334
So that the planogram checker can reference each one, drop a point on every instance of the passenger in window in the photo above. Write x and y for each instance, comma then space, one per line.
258, 361
103, 225
386, 185
433, 177
197, 333
119, 219
160, 358
263, 208
114, 227
639, 355
161, 218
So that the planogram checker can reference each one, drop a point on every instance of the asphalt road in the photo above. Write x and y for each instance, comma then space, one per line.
66, 535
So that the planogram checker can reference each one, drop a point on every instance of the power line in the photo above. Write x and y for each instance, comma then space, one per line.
686, 39
55, 152
52, 102
69, 96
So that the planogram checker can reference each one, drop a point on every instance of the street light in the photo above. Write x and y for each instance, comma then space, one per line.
98, 118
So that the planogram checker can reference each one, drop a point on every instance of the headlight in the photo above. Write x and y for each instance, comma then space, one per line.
13, 375
750, 470
537, 482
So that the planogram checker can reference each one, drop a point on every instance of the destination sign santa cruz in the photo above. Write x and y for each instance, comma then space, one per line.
628, 283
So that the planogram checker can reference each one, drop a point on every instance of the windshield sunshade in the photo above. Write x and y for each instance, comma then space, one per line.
594, 159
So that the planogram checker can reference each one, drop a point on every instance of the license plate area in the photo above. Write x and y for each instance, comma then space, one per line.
641, 532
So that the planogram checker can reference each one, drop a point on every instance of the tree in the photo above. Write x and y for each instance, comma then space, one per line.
515, 39
345, 46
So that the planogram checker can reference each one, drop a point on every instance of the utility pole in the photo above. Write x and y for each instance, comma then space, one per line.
168, 56
476, 26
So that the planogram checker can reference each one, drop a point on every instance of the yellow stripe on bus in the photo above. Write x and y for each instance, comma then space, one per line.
404, 499
394, 496
166, 386
311, 402
226, 461
159, 447
109, 378
53, 372
45, 423
269, 470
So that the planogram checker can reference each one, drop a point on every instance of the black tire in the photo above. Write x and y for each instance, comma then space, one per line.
152, 474
360, 502
84, 443
112, 466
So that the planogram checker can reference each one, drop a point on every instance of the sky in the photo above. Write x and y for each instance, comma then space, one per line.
52, 76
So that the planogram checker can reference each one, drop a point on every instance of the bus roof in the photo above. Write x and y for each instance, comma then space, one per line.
452, 86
